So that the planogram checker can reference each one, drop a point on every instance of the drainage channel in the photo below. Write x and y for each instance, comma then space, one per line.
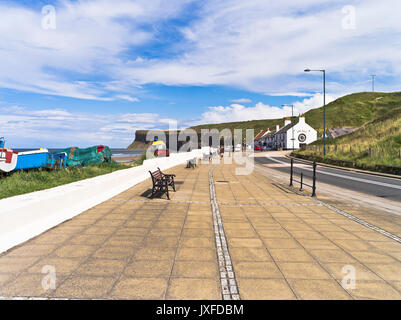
362, 222
349, 216
229, 286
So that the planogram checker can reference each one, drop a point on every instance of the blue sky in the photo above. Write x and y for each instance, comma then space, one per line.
93, 72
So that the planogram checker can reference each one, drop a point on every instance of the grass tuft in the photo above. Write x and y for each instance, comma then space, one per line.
375, 143
21, 182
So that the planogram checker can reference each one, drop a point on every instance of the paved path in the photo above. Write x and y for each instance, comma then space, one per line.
281, 246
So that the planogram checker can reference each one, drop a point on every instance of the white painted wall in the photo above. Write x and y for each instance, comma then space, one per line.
26, 216
300, 128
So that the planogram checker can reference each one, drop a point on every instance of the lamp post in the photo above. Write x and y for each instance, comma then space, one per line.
324, 107
292, 118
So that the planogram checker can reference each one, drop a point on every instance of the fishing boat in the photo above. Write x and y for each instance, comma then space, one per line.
159, 148
11, 160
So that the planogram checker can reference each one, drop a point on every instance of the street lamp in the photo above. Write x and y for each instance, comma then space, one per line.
292, 118
324, 107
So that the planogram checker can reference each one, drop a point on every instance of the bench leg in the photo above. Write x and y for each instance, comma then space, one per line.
168, 196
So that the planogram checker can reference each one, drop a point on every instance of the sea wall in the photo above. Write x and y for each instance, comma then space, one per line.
26, 216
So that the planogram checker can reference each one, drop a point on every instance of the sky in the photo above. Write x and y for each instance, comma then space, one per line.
87, 72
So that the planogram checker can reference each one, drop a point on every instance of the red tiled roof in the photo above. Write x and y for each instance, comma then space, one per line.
259, 135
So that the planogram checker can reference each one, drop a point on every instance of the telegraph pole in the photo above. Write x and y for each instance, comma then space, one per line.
373, 82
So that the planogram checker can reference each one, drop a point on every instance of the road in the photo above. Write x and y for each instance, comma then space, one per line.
378, 186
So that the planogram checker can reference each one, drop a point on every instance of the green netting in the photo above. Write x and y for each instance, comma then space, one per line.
83, 157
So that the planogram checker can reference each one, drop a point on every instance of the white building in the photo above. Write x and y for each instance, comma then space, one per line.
293, 135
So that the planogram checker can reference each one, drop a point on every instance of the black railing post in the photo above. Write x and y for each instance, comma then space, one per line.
292, 168
302, 181
314, 180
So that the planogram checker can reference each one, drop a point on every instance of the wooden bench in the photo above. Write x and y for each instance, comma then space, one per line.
191, 163
161, 182
169, 177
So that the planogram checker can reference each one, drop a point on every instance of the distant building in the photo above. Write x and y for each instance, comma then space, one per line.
260, 137
292, 135
338, 132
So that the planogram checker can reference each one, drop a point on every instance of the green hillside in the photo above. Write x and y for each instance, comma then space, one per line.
357, 108
377, 142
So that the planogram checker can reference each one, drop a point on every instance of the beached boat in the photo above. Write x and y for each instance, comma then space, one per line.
11, 160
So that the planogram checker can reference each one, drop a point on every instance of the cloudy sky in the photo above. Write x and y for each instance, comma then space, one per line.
90, 72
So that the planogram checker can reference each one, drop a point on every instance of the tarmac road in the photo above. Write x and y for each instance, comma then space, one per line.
378, 186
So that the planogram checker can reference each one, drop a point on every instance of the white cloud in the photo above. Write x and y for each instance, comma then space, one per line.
261, 46
59, 128
127, 97
237, 112
242, 100
288, 94
316, 101
24, 127
89, 40
266, 45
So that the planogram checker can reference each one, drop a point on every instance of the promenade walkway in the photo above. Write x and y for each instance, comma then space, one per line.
280, 246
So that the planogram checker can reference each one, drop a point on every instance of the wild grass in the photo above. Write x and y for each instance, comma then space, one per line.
139, 161
377, 142
350, 111
22, 182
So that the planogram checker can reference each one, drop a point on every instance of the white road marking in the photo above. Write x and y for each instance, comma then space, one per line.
388, 185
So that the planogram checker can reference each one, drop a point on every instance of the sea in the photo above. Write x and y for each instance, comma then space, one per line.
116, 153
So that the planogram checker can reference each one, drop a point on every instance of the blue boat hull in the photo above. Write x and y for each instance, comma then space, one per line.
30, 161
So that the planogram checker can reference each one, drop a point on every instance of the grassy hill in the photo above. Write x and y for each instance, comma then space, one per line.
357, 108
377, 142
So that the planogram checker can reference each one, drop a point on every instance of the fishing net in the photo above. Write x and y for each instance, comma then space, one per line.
83, 157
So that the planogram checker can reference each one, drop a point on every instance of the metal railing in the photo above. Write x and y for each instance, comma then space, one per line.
301, 181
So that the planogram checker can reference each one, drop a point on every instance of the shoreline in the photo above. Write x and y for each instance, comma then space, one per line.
126, 158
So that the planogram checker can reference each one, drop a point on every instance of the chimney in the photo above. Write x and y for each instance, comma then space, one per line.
287, 121
301, 119
277, 127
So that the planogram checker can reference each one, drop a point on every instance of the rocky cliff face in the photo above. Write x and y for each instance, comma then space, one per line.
143, 141
140, 142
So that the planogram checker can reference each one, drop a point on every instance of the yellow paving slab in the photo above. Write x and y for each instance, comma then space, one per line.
282, 246
310, 246
130, 247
